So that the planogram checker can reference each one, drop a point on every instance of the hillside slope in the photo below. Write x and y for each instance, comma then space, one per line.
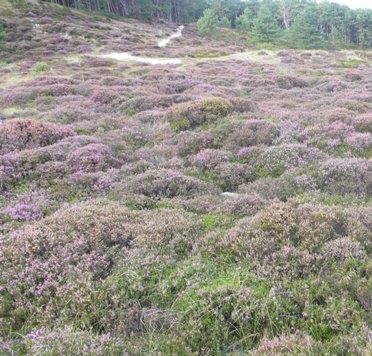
218, 205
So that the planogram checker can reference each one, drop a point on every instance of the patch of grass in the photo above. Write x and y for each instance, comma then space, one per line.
212, 221
351, 63
207, 54
180, 125
331, 199
39, 68
6, 8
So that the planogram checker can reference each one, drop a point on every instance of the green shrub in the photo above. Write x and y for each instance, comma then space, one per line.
208, 22
192, 114
224, 22
2, 32
39, 67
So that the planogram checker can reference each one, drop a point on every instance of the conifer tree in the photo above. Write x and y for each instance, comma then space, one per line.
208, 23
265, 28
305, 32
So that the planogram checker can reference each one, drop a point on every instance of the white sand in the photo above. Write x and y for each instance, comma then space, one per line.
125, 56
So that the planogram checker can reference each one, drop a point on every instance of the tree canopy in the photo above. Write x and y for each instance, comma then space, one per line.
302, 23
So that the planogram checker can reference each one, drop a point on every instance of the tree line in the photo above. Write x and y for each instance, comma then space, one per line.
171, 10
297, 23
294, 23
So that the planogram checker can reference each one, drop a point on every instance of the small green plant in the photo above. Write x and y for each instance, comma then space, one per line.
351, 63
2, 32
208, 22
180, 125
224, 23
212, 221
39, 67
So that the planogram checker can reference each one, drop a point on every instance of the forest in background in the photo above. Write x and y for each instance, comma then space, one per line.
290, 23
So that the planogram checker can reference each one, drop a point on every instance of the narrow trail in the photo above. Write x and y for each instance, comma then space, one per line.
164, 42
128, 57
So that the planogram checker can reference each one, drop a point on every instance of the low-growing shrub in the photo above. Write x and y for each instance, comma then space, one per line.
69, 254
285, 344
27, 133
189, 142
288, 82
192, 114
289, 241
167, 183
243, 105
68, 341
93, 157
229, 175
275, 160
24, 212
39, 67
244, 204
253, 132
208, 158
345, 176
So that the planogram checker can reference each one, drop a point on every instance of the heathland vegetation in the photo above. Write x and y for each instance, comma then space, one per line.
294, 23
214, 203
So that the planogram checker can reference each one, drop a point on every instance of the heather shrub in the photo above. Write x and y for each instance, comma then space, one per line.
328, 136
363, 123
156, 155
242, 105
74, 111
69, 254
92, 181
234, 215
285, 345
344, 176
104, 96
189, 142
253, 132
355, 105
63, 256
192, 114
230, 175
138, 104
250, 154
244, 204
33, 90
288, 82
167, 183
27, 133
208, 158
24, 212
275, 160
167, 231
290, 241
92, 157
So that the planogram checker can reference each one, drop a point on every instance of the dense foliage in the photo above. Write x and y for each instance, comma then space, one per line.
217, 205
302, 24
2, 32
172, 10
294, 23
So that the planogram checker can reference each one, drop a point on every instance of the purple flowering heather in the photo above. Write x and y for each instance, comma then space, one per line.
23, 212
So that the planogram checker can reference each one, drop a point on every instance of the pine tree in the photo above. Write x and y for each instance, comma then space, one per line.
305, 32
245, 21
208, 23
265, 27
